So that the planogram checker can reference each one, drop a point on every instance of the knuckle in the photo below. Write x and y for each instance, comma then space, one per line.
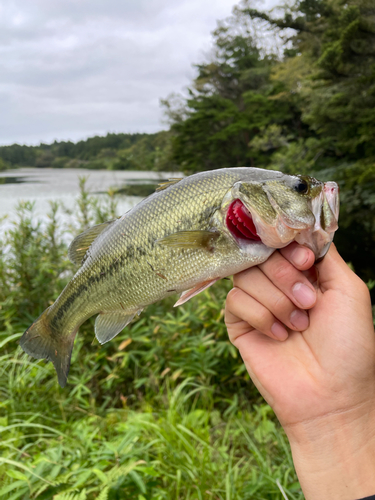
363, 288
282, 271
263, 318
281, 303
232, 337
358, 285
231, 297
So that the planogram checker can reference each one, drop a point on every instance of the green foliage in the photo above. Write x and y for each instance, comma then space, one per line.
18, 155
151, 152
169, 451
164, 411
3, 164
31, 263
323, 89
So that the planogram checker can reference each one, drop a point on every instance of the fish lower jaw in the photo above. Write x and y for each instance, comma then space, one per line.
318, 241
277, 235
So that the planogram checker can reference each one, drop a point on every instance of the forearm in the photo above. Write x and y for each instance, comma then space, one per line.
335, 457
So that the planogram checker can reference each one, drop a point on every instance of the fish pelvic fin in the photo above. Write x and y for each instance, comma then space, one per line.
41, 341
192, 292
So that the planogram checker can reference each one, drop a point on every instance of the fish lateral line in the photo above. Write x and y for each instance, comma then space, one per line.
158, 273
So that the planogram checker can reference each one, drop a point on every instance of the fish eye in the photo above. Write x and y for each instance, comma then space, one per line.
301, 186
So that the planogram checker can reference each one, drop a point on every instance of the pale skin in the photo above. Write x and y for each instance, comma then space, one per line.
318, 373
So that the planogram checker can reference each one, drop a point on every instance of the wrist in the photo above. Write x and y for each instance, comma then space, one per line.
334, 455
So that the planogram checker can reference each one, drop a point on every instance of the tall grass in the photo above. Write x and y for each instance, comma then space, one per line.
164, 411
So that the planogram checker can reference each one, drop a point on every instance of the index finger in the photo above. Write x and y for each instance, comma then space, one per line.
302, 258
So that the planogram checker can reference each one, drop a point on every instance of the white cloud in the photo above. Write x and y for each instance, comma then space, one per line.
74, 68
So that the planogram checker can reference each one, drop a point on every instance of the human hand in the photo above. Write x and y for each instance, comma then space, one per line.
322, 376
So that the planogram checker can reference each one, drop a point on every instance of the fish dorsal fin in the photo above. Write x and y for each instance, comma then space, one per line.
190, 239
82, 242
108, 325
188, 294
169, 182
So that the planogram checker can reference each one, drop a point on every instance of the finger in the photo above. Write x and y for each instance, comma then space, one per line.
301, 257
256, 284
290, 281
243, 314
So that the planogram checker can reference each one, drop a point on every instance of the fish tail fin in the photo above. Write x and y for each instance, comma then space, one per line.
40, 341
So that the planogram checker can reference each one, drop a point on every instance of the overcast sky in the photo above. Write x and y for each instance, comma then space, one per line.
70, 69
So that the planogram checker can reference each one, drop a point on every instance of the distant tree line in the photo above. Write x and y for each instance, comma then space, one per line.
308, 108
113, 152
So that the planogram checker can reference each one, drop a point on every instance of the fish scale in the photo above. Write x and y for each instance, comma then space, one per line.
173, 241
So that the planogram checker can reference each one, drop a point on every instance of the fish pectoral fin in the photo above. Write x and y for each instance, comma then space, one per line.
82, 242
169, 182
188, 294
190, 239
108, 325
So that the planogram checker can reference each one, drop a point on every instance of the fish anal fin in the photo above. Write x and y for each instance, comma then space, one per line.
188, 294
82, 242
109, 324
169, 182
190, 239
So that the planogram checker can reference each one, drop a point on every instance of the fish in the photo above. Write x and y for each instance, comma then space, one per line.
181, 239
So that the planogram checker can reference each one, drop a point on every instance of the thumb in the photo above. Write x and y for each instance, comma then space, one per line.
333, 271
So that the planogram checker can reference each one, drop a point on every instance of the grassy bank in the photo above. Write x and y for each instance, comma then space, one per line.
164, 411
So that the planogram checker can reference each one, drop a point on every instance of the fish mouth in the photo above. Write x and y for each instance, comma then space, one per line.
326, 212
240, 222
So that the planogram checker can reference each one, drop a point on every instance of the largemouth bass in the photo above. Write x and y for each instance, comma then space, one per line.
191, 233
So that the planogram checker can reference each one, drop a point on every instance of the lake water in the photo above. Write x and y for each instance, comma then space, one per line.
42, 185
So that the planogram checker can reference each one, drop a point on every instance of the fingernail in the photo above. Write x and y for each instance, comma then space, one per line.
299, 320
279, 331
303, 294
300, 256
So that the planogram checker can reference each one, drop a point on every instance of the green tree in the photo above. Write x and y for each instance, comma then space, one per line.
231, 101
3, 164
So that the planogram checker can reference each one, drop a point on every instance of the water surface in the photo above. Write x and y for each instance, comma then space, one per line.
42, 185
